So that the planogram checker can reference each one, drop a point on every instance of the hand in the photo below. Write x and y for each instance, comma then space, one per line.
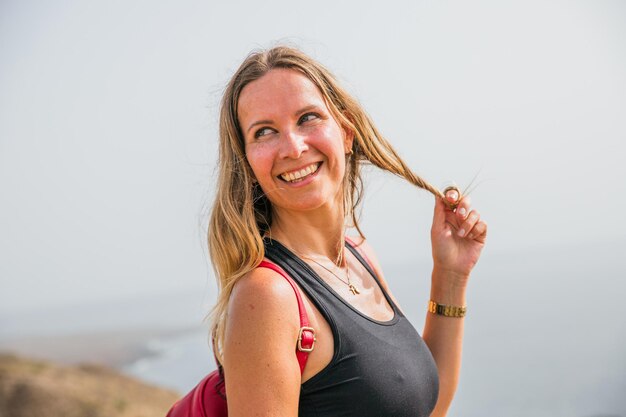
454, 254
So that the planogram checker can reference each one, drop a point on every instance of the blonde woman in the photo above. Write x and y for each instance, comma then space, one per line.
292, 143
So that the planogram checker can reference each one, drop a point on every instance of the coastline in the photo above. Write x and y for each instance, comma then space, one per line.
113, 348
30, 387
160, 357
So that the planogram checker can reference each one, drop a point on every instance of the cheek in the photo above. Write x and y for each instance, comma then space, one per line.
332, 143
260, 160
330, 138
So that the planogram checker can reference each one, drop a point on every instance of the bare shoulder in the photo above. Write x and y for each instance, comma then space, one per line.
263, 289
262, 299
261, 331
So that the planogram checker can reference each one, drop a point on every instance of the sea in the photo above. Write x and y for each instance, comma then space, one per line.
545, 333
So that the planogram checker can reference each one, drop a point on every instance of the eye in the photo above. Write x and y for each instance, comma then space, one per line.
262, 132
308, 117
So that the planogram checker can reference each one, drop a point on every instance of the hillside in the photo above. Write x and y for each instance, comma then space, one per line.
30, 388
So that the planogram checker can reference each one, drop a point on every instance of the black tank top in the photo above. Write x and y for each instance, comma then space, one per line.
378, 368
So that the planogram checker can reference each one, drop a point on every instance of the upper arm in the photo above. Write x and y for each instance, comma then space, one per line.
365, 248
260, 366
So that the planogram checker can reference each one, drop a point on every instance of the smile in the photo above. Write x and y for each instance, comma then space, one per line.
297, 176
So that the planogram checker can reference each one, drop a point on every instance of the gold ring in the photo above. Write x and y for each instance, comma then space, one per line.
453, 205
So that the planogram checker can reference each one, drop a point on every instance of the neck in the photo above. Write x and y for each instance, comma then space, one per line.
313, 233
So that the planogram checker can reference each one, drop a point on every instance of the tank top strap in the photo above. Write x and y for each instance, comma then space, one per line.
365, 261
362, 258
314, 286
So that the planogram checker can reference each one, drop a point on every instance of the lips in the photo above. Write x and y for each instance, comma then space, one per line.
301, 174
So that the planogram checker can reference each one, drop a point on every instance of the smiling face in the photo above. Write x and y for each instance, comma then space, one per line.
294, 145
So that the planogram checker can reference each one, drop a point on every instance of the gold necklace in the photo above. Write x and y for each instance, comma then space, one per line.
353, 289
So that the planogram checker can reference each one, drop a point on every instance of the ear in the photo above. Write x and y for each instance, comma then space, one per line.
348, 137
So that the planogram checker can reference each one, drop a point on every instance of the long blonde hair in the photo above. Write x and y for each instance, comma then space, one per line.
241, 213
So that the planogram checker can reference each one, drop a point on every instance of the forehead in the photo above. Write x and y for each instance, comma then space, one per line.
278, 91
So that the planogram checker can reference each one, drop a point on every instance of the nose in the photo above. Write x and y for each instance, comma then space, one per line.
292, 145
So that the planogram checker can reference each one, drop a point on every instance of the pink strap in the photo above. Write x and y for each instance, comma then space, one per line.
306, 335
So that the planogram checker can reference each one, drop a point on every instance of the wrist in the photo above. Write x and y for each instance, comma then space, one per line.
447, 278
448, 287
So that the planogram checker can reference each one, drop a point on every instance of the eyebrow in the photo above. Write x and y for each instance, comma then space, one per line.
267, 121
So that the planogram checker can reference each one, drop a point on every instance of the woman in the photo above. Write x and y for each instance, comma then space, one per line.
292, 142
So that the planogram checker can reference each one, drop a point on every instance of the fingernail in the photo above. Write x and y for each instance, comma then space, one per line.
453, 195
462, 211
461, 232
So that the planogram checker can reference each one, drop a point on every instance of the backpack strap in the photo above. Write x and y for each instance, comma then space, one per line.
306, 335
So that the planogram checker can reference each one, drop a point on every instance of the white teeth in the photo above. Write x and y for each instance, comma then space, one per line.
298, 175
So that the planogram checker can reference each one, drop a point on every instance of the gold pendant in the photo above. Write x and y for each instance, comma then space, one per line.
354, 289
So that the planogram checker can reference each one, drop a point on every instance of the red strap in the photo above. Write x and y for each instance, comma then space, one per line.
306, 335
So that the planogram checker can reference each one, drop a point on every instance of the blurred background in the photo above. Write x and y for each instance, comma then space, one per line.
108, 139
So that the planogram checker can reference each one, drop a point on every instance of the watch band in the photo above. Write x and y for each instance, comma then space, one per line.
445, 310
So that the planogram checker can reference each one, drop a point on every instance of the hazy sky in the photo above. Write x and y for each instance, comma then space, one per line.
108, 127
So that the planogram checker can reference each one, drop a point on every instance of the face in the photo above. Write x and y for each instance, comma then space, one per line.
294, 145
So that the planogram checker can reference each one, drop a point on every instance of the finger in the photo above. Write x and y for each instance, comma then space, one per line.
479, 232
452, 196
463, 208
444, 221
439, 216
468, 224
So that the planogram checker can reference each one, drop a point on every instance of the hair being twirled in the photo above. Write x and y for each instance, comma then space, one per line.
241, 213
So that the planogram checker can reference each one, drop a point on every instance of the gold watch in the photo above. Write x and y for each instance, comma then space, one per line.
448, 311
